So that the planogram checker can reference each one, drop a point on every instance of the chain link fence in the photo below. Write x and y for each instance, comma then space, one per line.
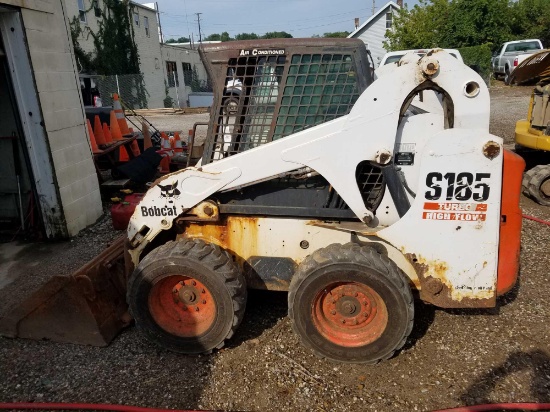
142, 91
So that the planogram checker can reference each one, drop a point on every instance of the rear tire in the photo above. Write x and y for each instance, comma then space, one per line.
349, 303
187, 296
536, 184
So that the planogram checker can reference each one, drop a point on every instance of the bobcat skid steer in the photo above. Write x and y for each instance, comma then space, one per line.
344, 195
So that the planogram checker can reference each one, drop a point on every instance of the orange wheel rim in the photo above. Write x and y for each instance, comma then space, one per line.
182, 306
349, 314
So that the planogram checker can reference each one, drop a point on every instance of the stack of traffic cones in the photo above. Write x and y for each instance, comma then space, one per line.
119, 113
134, 146
107, 133
178, 146
116, 135
166, 152
93, 143
98, 132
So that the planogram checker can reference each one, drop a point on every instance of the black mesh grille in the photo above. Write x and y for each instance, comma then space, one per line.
371, 184
269, 97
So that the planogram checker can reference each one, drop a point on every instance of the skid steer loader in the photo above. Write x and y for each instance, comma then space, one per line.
320, 182
344, 195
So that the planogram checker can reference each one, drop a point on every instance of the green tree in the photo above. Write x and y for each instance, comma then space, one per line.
337, 34
466, 23
178, 40
531, 19
475, 22
425, 25
277, 35
213, 37
247, 36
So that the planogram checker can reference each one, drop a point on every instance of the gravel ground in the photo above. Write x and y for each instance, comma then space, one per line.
453, 357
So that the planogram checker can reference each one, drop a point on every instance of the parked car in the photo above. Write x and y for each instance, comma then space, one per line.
512, 53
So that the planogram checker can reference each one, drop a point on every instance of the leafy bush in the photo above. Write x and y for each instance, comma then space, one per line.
479, 58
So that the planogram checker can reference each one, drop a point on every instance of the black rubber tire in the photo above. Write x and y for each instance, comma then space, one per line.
359, 264
532, 182
209, 264
506, 75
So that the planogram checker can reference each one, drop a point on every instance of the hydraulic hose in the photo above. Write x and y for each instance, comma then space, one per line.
83, 407
536, 219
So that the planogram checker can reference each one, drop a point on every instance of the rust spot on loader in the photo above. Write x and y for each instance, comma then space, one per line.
436, 289
491, 150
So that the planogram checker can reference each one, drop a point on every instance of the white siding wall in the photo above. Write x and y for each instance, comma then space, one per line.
56, 81
374, 35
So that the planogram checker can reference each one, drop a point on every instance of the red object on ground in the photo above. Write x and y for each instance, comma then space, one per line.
536, 219
501, 407
84, 407
122, 212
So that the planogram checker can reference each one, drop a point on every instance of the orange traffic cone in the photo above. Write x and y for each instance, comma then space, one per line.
165, 142
178, 146
165, 164
93, 143
120, 116
98, 132
115, 128
107, 134
147, 143
123, 155
134, 146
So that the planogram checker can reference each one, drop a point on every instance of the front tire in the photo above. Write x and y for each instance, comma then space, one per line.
349, 303
187, 296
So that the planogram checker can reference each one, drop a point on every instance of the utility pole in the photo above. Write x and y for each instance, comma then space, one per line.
199, 22
373, 6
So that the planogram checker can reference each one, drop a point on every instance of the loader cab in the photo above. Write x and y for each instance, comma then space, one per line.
266, 90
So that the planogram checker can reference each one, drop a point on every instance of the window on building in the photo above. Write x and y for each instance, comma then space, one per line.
187, 73
146, 25
389, 18
172, 73
97, 10
82, 11
136, 18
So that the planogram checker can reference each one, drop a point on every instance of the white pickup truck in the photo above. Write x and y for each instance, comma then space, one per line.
511, 54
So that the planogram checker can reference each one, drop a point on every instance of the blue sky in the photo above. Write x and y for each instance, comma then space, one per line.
301, 18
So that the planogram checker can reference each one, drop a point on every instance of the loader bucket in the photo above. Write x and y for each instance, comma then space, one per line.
87, 307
